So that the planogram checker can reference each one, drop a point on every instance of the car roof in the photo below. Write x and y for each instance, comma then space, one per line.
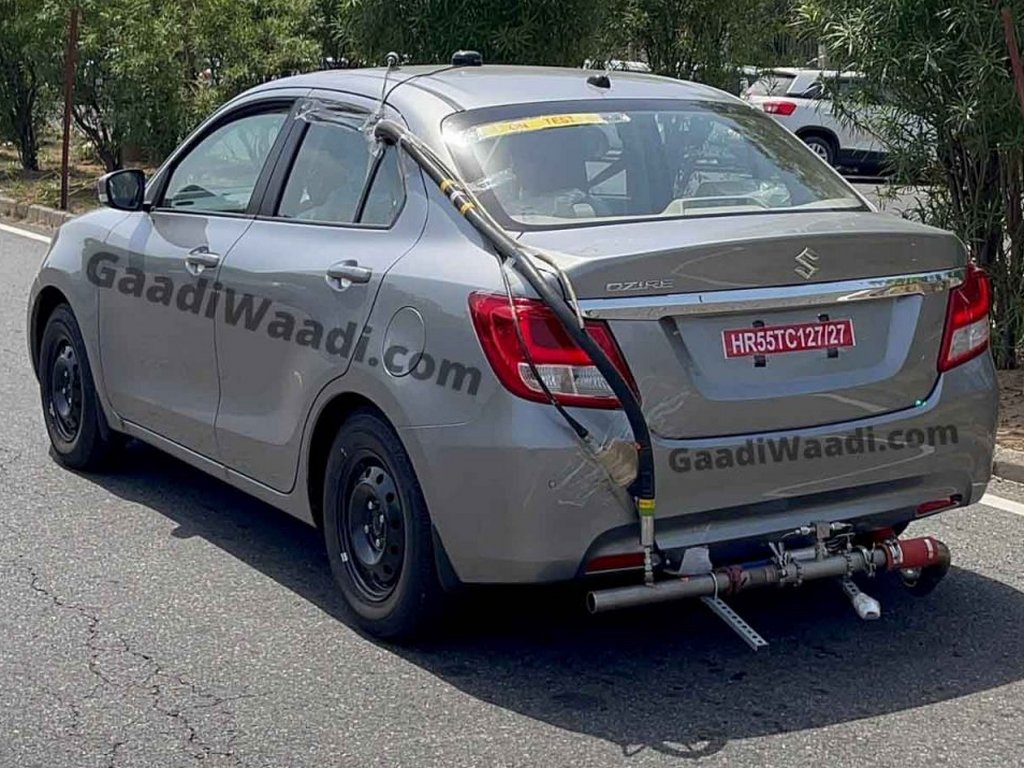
470, 87
809, 72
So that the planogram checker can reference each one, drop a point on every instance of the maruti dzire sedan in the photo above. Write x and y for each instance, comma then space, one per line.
461, 328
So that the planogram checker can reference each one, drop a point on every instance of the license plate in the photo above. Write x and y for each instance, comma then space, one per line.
778, 339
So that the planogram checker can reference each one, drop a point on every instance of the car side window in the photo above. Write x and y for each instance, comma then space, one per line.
386, 197
329, 174
219, 173
816, 91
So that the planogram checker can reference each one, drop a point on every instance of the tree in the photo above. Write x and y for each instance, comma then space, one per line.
28, 63
950, 122
703, 40
329, 28
429, 31
233, 45
130, 83
148, 71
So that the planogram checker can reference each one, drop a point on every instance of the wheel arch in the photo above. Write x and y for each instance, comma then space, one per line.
820, 132
48, 299
328, 421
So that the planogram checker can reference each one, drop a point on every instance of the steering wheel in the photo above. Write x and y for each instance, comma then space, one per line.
191, 192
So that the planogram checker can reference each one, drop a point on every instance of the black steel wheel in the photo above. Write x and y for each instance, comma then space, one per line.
78, 432
377, 531
65, 404
373, 529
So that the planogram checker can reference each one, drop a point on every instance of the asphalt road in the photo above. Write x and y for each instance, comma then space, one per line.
154, 617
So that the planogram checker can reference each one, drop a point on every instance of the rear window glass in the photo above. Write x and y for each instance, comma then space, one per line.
771, 85
541, 166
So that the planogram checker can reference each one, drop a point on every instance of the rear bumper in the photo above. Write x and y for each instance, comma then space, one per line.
514, 499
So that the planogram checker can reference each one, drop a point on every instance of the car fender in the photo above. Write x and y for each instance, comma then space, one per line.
64, 268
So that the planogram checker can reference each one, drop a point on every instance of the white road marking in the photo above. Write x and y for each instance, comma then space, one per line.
25, 233
1006, 505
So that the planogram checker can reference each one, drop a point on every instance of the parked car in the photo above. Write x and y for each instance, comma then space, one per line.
799, 99
306, 303
618, 65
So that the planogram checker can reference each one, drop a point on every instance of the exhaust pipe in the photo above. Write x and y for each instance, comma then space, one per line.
893, 555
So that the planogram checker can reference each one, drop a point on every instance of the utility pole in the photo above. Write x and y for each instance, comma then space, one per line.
70, 60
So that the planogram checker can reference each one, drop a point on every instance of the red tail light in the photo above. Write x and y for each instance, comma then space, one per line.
784, 108
566, 369
621, 562
967, 322
938, 505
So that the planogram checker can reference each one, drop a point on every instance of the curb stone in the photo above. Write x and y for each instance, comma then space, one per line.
40, 215
1008, 464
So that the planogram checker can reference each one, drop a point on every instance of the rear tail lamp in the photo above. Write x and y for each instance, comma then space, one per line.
620, 562
567, 370
967, 320
937, 505
775, 107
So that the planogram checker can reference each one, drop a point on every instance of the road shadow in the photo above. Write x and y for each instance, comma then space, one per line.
672, 679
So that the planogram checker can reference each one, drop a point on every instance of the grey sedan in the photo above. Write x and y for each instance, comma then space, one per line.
461, 318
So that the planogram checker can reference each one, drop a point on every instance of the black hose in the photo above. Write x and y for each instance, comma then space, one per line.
467, 204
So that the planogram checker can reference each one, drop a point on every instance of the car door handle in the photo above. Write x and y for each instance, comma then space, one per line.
201, 258
345, 272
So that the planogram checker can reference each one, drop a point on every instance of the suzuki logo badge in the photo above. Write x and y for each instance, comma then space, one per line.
806, 264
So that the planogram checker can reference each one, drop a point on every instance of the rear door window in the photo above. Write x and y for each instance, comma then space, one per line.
386, 195
329, 176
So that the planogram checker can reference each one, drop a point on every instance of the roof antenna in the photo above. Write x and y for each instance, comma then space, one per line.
602, 80
392, 61
463, 58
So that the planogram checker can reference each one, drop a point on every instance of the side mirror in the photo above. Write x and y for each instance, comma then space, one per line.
123, 190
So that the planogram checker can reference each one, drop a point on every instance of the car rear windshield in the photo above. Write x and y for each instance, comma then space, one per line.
555, 165
771, 84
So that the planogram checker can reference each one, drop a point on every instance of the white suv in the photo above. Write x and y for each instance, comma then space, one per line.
794, 97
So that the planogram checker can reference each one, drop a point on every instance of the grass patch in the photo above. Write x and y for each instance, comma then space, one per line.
42, 187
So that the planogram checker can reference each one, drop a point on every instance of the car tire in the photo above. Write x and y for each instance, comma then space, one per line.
74, 419
822, 147
377, 531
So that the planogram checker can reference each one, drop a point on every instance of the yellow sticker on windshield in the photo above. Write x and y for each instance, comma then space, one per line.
525, 125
